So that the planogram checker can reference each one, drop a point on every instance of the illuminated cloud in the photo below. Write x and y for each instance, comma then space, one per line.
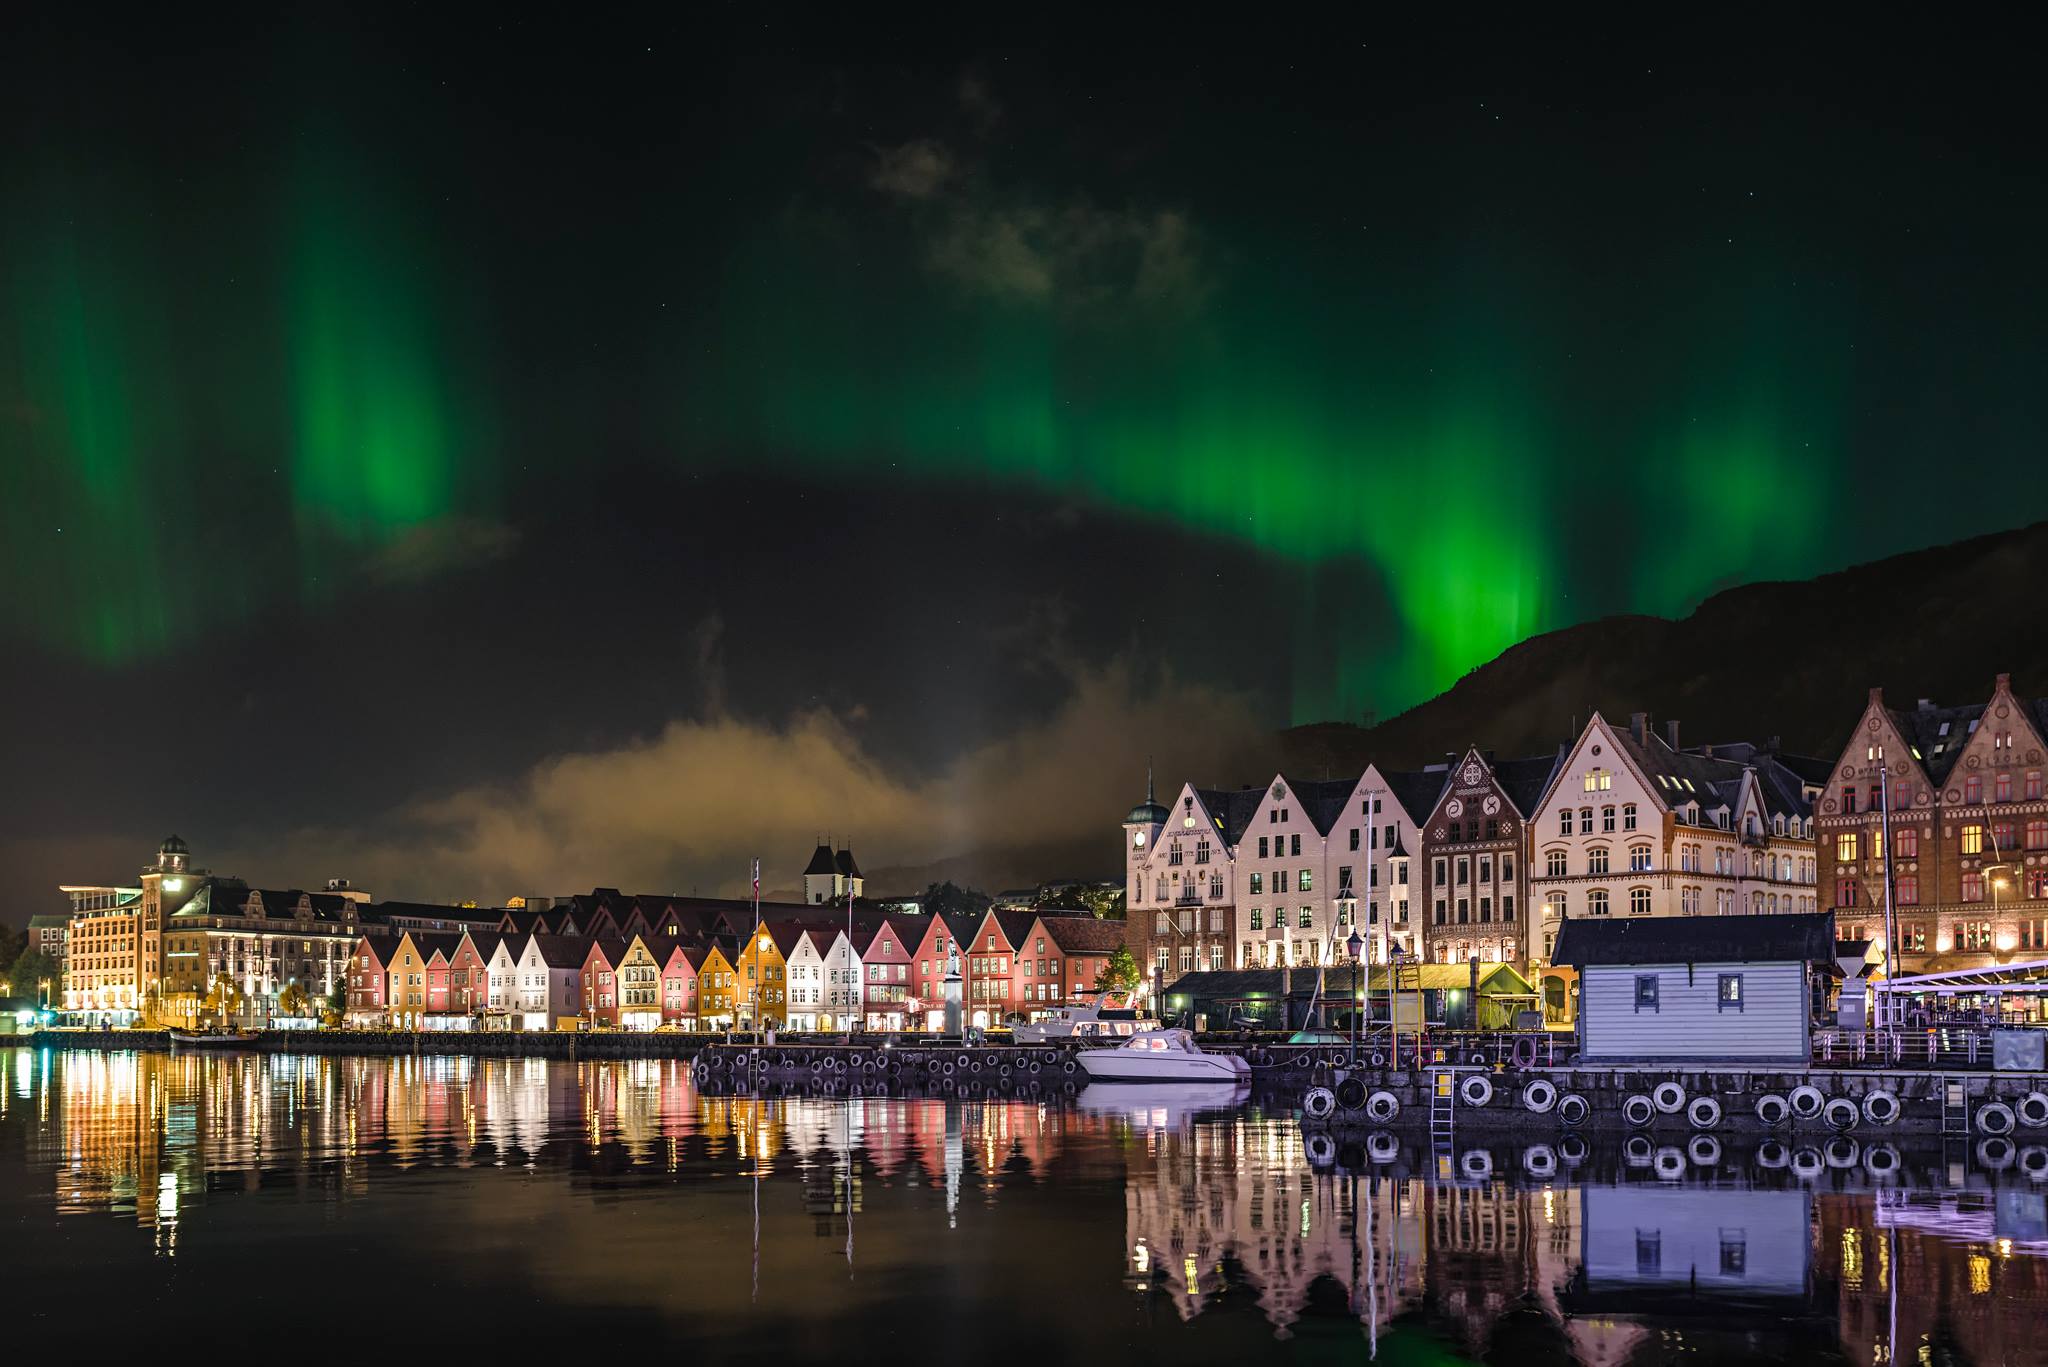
687, 808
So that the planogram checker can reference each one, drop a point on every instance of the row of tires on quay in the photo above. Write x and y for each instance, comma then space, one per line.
1672, 1162
1524, 1052
879, 1065
1879, 1106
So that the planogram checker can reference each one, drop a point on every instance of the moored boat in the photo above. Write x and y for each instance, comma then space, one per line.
1162, 1056
189, 1039
1086, 1023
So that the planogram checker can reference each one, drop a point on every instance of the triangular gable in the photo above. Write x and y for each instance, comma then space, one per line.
1877, 732
1599, 731
1473, 790
2005, 737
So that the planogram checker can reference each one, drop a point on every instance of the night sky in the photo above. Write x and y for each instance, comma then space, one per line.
486, 456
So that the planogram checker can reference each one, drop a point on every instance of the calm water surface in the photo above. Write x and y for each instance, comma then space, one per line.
312, 1209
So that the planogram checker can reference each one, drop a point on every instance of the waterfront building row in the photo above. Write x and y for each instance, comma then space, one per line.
884, 972
1482, 858
1475, 858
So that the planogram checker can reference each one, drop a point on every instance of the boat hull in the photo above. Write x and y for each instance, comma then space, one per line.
1132, 1065
211, 1041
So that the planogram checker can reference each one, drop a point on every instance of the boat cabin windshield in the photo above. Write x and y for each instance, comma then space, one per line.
1167, 1041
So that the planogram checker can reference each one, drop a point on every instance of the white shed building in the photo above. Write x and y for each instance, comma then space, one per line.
1698, 989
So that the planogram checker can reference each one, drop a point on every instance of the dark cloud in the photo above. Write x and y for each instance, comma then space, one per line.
438, 547
916, 170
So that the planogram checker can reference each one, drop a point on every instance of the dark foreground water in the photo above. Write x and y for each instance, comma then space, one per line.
279, 1209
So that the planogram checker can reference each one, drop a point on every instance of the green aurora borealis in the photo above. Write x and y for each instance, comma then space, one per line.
1459, 428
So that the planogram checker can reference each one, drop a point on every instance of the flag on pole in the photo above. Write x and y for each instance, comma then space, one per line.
757, 880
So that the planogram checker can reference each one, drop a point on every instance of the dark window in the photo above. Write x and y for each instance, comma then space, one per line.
1731, 992
1646, 992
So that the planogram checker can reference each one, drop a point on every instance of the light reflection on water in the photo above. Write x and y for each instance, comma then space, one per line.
1134, 1229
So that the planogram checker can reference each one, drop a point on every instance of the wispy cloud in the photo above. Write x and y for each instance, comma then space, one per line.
916, 170
1057, 251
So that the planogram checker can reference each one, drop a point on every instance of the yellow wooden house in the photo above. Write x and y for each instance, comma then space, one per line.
762, 997
717, 990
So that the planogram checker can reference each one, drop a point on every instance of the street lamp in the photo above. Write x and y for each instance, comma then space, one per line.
1355, 947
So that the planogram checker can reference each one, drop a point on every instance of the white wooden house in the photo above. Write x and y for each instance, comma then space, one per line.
1698, 989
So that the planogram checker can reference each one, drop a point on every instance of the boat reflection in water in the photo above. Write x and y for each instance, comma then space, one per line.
562, 1203
1163, 1105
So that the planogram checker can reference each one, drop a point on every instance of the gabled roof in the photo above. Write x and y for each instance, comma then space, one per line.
821, 863
1710, 779
561, 951
843, 862
430, 943
1938, 733
1800, 937
1231, 809
610, 946
785, 934
486, 943
1083, 935
1416, 790
1322, 801
1523, 780
1015, 926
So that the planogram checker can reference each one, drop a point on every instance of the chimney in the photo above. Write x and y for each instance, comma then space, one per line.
1671, 731
1774, 746
1450, 758
1927, 704
1639, 727
1489, 756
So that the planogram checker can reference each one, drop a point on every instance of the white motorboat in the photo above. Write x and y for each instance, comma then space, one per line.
1162, 1056
1088, 1023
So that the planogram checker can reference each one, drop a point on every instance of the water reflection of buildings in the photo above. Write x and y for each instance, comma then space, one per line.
1917, 1272
1218, 1209
1235, 1200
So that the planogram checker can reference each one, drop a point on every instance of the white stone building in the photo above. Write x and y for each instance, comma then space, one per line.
1634, 825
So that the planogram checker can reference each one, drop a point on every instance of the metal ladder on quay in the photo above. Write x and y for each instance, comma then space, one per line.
1955, 1107
1443, 1102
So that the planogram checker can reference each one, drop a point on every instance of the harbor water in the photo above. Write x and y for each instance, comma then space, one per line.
312, 1209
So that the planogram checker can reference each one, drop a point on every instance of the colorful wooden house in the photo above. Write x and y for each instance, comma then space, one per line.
763, 991
717, 988
887, 952
550, 981
642, 983
504, 976
369, 981
1068, 954
804, 955
599, 981
679, 970
469, 975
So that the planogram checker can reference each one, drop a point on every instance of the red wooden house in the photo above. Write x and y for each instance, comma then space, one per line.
369, 980
599, 980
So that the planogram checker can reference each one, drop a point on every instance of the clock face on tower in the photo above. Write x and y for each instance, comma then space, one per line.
1137, 840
